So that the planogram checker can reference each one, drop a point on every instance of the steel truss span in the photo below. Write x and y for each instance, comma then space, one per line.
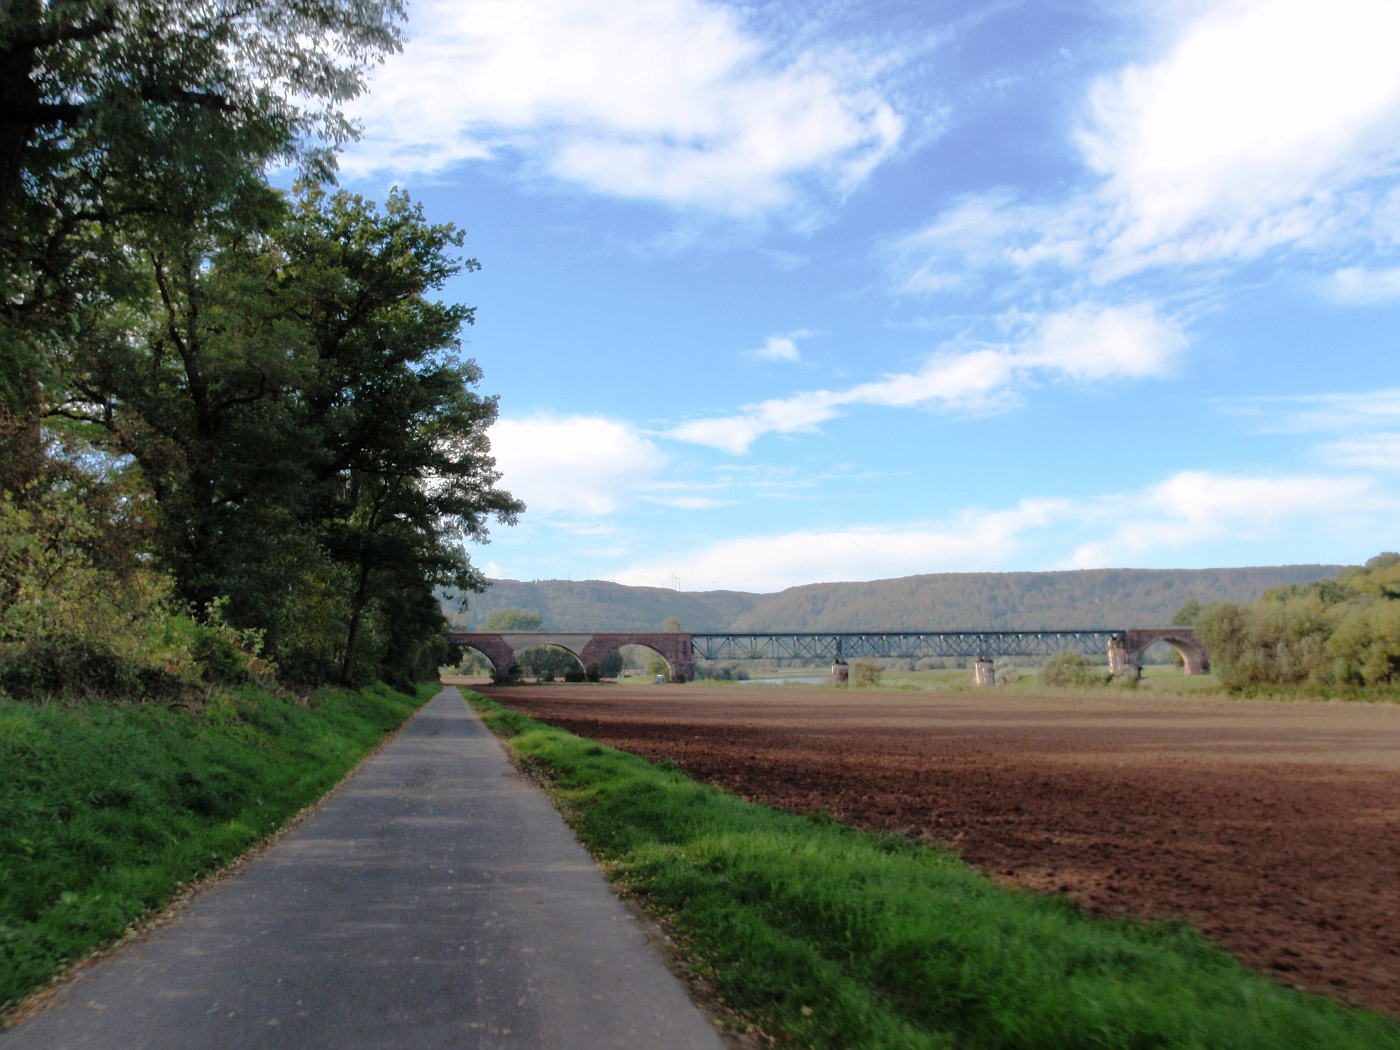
849, 645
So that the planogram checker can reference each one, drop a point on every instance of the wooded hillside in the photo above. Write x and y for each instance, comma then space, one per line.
939, 601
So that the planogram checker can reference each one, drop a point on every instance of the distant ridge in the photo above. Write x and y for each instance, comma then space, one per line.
938, 601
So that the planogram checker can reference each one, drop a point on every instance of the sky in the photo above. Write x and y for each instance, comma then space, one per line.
784, 293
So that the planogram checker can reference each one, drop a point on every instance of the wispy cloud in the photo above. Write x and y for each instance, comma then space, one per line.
1357, 284
1162, 521
1271, 124
1089, 342
675, 101
780, 347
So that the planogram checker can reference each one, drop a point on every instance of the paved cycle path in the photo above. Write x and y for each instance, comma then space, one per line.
436, 900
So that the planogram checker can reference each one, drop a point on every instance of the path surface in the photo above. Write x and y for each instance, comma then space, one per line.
437, 900
1274, 826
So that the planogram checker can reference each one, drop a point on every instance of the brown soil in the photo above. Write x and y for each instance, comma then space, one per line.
1273, 826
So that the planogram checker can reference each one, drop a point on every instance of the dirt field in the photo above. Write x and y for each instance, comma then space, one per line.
1273, 826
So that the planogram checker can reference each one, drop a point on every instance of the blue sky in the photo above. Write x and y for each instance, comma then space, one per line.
785, 293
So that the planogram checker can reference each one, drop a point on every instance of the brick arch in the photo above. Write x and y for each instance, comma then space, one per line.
1127, 649
675, 648
501, 647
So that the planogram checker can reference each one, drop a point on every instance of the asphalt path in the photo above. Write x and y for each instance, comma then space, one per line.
436, 900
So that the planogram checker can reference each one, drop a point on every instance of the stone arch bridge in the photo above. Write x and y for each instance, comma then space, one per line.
502, 648
1124, 648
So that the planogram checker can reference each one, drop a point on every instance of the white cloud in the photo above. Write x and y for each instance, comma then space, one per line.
770, 563
674, 101
1161, 522
1266, 124
1376, 452
572, 464
1195, 506
1356, 284
780, 347
1337, 413
1088, 342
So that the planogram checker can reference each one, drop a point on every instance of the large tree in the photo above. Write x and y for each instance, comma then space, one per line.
294, 398
121, 111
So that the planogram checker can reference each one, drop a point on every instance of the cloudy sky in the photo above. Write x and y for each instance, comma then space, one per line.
779, 293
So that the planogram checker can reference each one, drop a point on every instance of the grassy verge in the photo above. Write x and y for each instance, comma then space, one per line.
106, 810
841, 938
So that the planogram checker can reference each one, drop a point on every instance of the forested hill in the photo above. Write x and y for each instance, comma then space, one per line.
941, 601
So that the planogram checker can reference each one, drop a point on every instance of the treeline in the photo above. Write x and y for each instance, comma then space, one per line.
236, 437
937, 601
1342, 632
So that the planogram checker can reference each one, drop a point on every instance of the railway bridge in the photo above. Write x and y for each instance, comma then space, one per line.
1124, 648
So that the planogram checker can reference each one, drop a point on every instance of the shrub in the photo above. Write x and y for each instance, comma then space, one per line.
1072, 671
1342, 632
865, 675
72, 624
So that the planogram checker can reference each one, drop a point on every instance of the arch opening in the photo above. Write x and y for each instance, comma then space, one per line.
638, 660
472, 662
1134, 648
550, 663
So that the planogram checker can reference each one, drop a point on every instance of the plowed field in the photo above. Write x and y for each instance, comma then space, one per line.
1273, 826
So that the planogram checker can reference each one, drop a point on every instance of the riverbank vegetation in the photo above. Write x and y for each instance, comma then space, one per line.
834, 937
1332, 635
106, 809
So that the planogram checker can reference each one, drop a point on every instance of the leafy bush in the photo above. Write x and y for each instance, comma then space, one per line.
1343, 632
71, 622
1072, 671
865, 675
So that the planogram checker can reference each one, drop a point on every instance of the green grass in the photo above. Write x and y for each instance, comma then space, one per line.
105, 810
845, 939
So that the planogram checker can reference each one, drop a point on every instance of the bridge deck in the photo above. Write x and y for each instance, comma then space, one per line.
845, 645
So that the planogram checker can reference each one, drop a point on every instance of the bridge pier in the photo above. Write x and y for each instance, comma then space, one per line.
984, 671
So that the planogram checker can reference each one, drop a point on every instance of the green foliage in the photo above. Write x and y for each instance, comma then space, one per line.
125, 121
1072, 671
514, 620
865, 675
838, 938
671, 625
74, 620
1330, 633
292, 397
1186, 615
105, 811
548, 662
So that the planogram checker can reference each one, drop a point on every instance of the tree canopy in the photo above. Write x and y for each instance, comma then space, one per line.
265, 376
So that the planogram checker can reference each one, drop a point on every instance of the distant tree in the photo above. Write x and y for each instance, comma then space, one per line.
611, 666
514, 620
548, 662
1186, 615
671, 625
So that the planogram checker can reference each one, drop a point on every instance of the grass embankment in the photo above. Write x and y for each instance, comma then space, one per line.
843, 938
106, 810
